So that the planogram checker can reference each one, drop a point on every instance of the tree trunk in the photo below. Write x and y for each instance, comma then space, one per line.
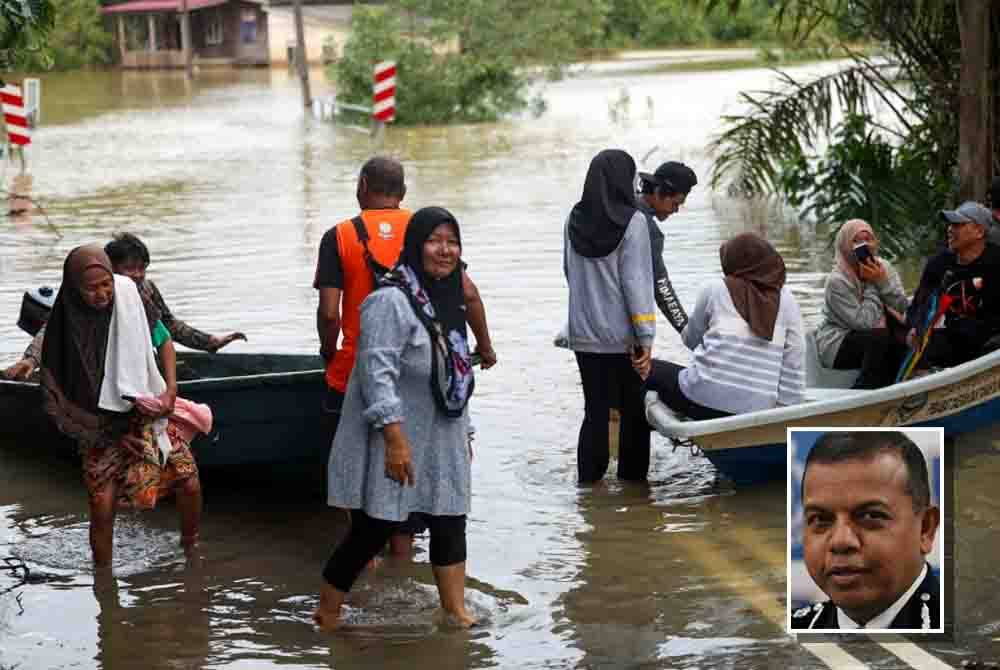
975, 116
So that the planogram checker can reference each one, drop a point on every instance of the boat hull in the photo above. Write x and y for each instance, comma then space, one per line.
751, 449
266, 410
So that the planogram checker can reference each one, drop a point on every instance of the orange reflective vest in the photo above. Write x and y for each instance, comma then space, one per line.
386, 229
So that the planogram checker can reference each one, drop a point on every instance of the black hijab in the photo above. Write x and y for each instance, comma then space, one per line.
76, 337
440, 306
597, 223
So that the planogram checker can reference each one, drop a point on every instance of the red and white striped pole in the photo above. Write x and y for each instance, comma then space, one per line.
15, 115
384, 94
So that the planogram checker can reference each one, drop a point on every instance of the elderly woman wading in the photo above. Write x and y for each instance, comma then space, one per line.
863, 299
401, 447
99, 347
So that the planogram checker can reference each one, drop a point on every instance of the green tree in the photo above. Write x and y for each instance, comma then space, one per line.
24, 25
463, 61
79, 37
895, 152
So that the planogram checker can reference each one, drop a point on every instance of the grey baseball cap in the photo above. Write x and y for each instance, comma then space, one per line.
969, 212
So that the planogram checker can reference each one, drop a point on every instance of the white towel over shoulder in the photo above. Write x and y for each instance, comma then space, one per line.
129, 363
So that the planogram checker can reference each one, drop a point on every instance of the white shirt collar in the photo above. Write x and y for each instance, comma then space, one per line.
884, 620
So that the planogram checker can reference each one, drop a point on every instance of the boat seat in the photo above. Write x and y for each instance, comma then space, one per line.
818, 376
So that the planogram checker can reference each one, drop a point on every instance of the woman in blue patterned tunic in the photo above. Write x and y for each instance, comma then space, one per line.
401, 447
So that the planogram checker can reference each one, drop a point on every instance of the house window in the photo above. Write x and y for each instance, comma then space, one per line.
213, 27
248, 26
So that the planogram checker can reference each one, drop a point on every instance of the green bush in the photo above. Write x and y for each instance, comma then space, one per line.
431, 87
77, 39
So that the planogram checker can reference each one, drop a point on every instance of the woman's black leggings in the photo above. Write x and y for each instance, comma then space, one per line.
609, 381
874, 351
368, 535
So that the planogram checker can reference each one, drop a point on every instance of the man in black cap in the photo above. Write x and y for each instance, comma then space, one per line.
662, 193
968, 271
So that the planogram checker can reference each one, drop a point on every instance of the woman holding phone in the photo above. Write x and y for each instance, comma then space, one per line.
864, 300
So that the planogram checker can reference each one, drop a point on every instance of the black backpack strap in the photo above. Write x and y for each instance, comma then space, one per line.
377, 269
362, 232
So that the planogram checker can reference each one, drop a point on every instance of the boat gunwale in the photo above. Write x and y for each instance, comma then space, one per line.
206, 383
675, 428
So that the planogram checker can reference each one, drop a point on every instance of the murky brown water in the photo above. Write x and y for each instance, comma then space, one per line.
232, 189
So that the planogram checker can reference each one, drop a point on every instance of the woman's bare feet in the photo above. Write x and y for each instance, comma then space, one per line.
462, 618
327, 615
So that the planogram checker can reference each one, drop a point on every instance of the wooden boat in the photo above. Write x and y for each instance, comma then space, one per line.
751, 448
266, 407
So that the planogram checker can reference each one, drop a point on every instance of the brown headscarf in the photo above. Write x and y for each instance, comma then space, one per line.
755, 273
73, 353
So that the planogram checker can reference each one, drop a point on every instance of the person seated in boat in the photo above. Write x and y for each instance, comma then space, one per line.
35, 309
101, 387
868, 526
130, 257
401, 447
747, 338
863, 310
968, 272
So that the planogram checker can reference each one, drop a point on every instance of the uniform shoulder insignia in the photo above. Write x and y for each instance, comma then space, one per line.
802, 611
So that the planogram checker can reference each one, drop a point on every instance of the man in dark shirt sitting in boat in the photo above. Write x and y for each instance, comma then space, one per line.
969, 272
868, 524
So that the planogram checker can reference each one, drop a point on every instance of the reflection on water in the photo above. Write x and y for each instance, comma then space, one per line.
232, 189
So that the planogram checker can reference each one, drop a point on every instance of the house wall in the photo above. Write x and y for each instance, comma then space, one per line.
256, 52
326, 27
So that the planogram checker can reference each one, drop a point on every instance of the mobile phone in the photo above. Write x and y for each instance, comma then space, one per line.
862, 252
129, 398
475, 360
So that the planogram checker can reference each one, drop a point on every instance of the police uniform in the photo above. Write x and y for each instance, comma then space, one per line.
921, 611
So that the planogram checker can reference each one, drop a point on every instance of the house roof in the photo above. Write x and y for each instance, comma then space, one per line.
148, 6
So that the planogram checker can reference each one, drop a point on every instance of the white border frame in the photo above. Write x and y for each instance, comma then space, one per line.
790, 458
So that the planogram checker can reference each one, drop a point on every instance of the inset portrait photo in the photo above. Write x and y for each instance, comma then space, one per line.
865, 511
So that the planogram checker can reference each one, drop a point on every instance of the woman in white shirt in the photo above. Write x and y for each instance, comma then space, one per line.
746, 335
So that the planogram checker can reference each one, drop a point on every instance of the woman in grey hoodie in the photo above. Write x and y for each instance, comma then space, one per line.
612, 319
862, 300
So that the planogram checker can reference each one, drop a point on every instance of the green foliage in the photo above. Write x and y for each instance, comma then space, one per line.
861, 175
78, 38
24, 25
431, 88
462, 61
887, 124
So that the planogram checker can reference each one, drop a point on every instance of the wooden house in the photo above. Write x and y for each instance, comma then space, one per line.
223, 32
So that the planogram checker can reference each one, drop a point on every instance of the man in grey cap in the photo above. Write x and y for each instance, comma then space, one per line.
968, 271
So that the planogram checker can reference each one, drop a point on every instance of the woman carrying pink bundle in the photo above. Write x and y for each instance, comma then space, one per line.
97, 358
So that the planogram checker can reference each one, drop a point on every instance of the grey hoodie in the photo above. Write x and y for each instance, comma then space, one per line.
611, 304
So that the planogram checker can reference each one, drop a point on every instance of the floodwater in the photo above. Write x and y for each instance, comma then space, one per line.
232, 187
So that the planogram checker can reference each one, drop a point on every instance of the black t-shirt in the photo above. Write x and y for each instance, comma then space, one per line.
974, 314
329, 269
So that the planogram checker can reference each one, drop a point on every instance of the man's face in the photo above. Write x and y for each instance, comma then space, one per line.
665, 205
133, 269
863, 542
964, 236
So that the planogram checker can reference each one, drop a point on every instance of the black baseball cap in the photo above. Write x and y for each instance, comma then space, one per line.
676, 176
